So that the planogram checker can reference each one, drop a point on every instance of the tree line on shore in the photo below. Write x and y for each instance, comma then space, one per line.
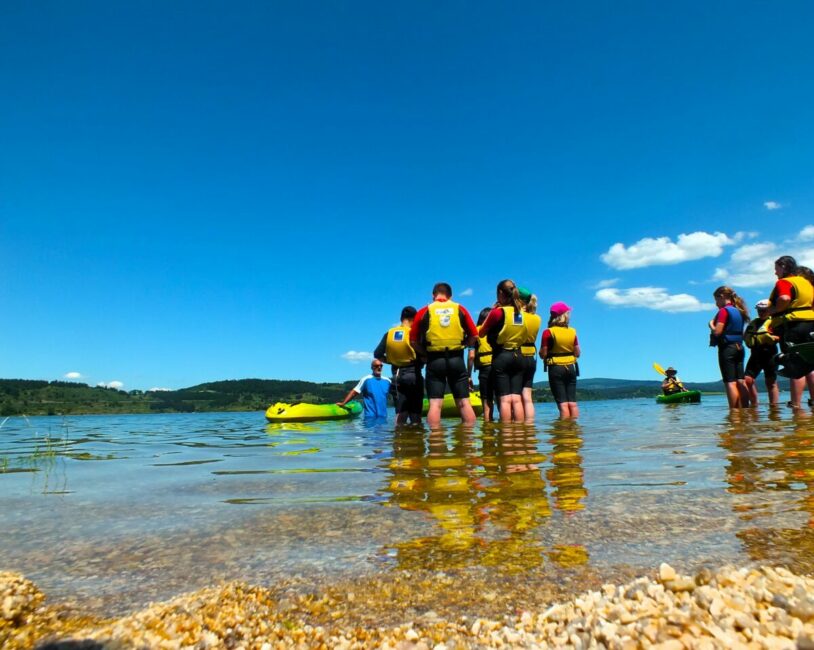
40, 397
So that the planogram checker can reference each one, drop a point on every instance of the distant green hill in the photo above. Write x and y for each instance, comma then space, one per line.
36, 397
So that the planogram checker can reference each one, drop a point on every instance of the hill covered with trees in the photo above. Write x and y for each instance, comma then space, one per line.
39, 397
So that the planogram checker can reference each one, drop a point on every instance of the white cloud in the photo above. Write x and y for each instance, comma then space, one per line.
111, 384
467, 292
159, 390
654, 298
73, 375
772, 205
356, 357
662, 250
752, 265
602, 284
806, 234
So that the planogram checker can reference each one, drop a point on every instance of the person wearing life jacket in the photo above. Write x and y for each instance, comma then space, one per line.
480, 359
559, 349
726, 333
439, 334
762, 344
672, 384
533, 322
407, 384
506, 332
790, 306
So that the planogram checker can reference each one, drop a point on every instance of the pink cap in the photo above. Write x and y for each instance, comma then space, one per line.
559, 308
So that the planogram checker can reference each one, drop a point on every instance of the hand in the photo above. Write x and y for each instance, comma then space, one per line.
471, 385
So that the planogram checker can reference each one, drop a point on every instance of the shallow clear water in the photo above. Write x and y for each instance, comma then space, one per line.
116, 511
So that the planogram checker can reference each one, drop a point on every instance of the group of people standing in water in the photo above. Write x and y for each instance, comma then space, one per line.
502, 347
787, 317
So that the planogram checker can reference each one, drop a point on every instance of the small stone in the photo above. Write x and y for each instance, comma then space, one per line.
703, 577
666, 572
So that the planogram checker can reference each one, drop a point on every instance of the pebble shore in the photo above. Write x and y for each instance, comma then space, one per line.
766, 607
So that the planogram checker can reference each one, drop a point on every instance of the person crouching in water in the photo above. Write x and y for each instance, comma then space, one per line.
559, 349
505, 330
672, 384
763, 345
727, 335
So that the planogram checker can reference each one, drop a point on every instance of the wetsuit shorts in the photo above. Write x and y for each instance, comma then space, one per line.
447, 369
408, 389
528, 372
762, 360
562, 380
486, 384
730, 361
508, 367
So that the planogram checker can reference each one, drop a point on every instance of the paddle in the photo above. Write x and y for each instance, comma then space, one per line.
659, 369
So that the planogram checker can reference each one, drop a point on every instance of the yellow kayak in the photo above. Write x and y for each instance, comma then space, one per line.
304, 412
449, 410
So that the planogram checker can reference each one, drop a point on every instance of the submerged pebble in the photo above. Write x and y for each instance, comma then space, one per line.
767, 607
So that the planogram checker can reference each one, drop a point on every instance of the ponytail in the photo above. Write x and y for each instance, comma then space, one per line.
741, 306
507, 290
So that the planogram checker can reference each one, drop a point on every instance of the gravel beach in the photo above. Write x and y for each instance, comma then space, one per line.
763, 607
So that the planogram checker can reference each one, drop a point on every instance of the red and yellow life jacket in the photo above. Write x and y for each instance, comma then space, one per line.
562, 347
513, 333
444, 330
802, 298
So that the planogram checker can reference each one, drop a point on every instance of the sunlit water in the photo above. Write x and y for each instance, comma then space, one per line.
119, 510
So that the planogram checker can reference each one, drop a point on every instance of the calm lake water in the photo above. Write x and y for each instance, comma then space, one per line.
116, 511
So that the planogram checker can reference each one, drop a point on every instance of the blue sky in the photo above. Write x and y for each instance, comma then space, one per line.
201, 191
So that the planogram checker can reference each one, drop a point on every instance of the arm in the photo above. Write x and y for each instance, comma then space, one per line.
470, 364
351, 394
780, 305
544, 344
577, 351
379, 352
417, 330
469, 327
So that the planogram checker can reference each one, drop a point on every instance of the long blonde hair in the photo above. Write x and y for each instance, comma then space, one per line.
728, 293
531, 305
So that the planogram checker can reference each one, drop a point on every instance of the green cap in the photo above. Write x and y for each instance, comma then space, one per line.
525, 294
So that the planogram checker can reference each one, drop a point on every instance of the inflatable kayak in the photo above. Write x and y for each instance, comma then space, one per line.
680, 398
449, 410
304, 412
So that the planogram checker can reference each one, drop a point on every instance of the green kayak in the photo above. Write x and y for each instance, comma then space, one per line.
680, 398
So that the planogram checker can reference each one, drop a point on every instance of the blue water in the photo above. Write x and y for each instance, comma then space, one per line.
116, 511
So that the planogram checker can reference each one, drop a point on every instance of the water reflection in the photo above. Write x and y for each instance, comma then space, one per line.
770, 469
484, 494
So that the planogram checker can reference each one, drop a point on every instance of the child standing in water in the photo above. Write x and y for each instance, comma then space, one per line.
559, 349
727, 335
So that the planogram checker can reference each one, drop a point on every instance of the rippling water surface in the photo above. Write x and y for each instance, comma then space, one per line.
120, 510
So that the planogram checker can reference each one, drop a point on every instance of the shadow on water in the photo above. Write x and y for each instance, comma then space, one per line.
485, 493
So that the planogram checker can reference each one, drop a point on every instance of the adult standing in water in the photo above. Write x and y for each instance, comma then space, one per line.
440, 332
374, 389
480, 358
726, 333
559, 349
763, 345
506, 332
532, 321
790, 306
407, 384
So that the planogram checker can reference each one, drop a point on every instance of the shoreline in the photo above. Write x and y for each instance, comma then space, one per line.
753, 607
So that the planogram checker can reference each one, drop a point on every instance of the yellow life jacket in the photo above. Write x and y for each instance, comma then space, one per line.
483, 353
444, 331
757, 334
532, 323
398, 350
513, 333
802, 298
561, 349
